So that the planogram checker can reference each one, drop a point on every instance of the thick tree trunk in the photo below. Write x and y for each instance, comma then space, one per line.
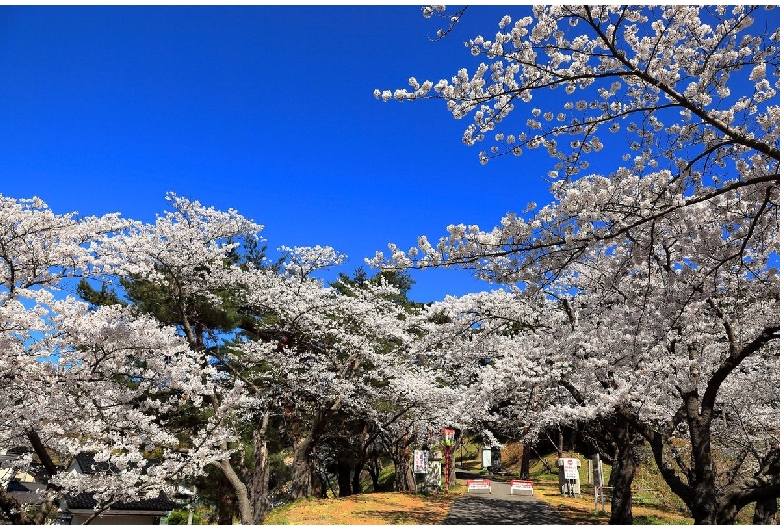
259, 482
726, 515
357, 487
623, 471
305, 481
303, 469
344, 471
374, 468
42, 453
226, 508
525, 463
705, 502
242, 494
404, 477
560, 443
766, 512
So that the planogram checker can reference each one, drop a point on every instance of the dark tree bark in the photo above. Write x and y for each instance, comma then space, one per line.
623, 471
404, 477
225, 502
357, 471
259, 481
344, 472
560, 443
11, 509
305, 480
303, 469
766, 512
525, 463
374, 468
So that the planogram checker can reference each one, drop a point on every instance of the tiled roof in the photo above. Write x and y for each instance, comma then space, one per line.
86, 462
88, 465
160, 504
24, 492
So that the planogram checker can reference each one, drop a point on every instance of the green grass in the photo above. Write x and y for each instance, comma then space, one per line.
654, 519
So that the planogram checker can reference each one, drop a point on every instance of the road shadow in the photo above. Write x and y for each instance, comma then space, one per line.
499, 506
481, 509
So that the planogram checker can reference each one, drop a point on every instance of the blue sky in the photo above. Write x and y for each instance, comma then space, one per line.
268, 110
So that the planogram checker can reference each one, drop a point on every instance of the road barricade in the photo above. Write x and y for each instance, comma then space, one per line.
522, 487
481, 484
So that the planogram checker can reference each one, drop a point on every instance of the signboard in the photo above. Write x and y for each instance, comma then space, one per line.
449, 436
420, 461
599, 471
523, 487
570, 468
487, 457
479, 484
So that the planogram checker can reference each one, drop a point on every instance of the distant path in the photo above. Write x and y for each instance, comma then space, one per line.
500, 508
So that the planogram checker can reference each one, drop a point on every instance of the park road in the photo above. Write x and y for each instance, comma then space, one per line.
500, 507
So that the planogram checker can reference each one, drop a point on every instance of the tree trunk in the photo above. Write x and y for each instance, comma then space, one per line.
705, 502
623, 470
357, 487
302, 469
226, 508
404, 477
242, 494
726, 515
344, 471
525, 464
304, 478
374, 468
259, 482
766, 512
560, 443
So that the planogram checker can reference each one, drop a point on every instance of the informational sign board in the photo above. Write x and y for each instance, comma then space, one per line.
420, 461
570, 468
487, 457
522, 487
479, 485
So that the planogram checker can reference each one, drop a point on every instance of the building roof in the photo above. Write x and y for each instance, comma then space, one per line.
85, 501
87, 465
25, 492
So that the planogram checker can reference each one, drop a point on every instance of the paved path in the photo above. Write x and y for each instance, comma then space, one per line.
500, 508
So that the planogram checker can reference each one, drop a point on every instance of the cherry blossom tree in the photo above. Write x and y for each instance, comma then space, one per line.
121, 372
287, 348
338, 348
689, 91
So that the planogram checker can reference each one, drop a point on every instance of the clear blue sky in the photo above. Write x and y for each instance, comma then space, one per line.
268, 110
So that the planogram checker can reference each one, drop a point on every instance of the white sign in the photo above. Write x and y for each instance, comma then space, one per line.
487, 457
479, 484
524, 487
570, 468
420, 461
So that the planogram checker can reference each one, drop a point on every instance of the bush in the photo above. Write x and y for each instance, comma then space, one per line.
180, 517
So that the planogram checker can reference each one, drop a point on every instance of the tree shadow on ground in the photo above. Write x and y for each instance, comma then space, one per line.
483, 510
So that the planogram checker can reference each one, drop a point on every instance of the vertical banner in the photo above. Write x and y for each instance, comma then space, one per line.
420, 461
